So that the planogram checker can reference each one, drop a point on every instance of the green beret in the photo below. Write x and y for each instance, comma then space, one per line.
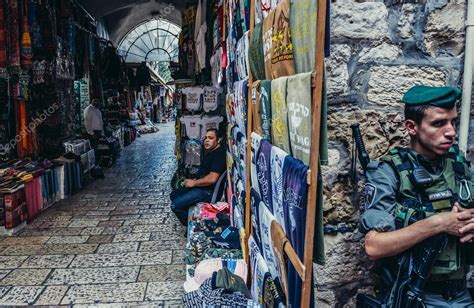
443, 97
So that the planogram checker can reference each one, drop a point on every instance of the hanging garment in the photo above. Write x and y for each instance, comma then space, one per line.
265, 219
282, 48
298, 100
192, 153
255, 204
3, 41
193, 98
259, 269
216, 67
256, 114
264, 174
26, 47
208, 122
266, 108
193, 126
14, 32
295, 192
255, 140
210, 98
267, 32
255, 55
280, 134
277, 159
303, 34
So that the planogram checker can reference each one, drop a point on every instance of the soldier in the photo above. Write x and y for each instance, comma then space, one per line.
415, 193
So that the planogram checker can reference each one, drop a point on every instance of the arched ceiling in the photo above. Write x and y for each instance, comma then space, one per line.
120, 16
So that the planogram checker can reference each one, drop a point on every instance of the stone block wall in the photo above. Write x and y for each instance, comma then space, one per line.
379, 49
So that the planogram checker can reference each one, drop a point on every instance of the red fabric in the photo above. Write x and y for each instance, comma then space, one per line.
34, 199
208, 211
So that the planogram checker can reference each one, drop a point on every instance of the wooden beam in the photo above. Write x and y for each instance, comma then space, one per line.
314, 159
248, 224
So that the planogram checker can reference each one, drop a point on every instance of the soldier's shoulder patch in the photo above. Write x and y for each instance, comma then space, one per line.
369, 194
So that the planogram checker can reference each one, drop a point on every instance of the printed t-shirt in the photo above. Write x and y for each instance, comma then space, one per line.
210, 98
193, 98
280, 135
193, 126
298, 101
257, 117
263, 172
282, 48
208, 122
267, 32
266, 108
277, 160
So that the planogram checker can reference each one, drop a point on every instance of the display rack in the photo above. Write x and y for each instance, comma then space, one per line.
303, 267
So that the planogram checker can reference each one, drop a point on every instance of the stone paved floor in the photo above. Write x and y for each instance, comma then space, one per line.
116, 241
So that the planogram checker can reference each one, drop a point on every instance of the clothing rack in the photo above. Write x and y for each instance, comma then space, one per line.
303, 267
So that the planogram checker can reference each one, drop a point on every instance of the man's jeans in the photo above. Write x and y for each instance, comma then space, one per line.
184, 198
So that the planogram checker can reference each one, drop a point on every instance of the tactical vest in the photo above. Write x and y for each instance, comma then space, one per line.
416, 201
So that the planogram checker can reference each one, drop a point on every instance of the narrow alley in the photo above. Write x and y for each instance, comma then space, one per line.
116, 241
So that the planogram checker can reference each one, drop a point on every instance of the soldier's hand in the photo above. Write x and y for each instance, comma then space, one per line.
452, 222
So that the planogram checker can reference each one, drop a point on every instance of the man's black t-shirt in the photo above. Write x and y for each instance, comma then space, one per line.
214, 161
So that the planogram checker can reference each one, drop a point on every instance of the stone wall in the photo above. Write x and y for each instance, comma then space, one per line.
378, 51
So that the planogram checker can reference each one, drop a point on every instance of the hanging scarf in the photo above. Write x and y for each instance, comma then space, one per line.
3, 51
14, 34
26, 47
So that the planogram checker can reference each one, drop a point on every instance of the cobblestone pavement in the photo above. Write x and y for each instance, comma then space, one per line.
116, 241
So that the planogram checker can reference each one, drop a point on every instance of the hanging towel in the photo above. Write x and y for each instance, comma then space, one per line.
282, 48
256, 56
277, 159
263, 172
280, 136
298, 100
266, 108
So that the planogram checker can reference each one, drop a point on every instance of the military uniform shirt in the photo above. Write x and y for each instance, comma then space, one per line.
380, 193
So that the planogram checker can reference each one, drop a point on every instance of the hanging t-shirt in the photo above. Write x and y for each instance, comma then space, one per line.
267, 32
193, 126
210, 98
266, 108
256, 56
192, 154
259, 269
303, 34
277, 160
255, 140
193, 98
255, 203
216, 68
282, 48
263, 172
298, 100
295, 202
266, 218
208, 122
280, 135
257, 117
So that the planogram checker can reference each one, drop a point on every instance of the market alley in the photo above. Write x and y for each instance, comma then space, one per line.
116, 241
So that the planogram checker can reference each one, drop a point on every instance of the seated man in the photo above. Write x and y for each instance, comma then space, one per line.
201, 189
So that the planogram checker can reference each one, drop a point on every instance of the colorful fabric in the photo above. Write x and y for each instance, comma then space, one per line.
300, 113
280, 134
255, 145
256, 117
265, 219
